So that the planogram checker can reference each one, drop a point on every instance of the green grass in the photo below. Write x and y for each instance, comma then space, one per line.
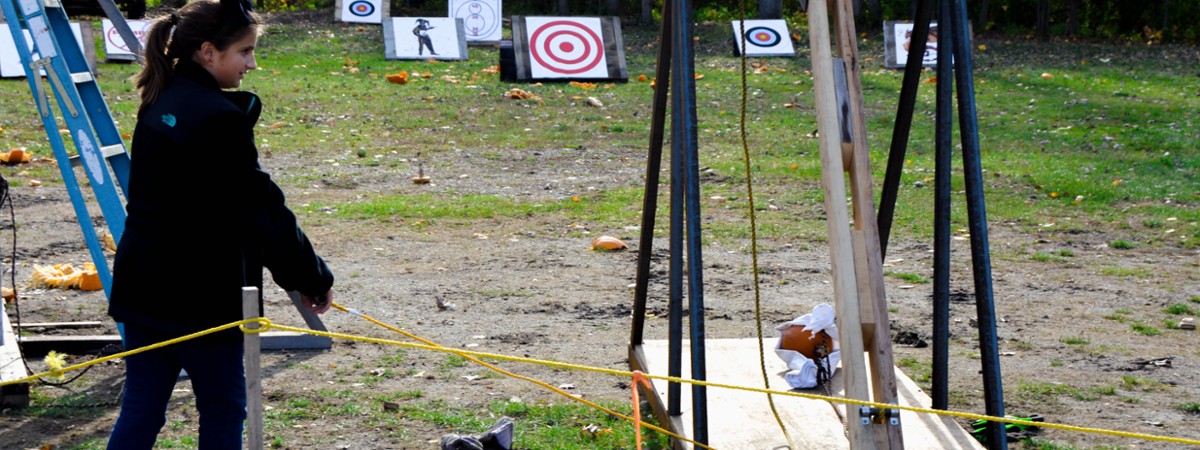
1190, 407
1179, 309
541, 426
909, 277
1074, 340
1111, 135
1144, 329
1102, 147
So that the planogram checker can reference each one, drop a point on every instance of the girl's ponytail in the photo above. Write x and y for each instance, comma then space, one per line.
158, 65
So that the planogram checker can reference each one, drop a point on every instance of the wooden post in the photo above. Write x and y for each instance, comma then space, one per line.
254, 406
838, 223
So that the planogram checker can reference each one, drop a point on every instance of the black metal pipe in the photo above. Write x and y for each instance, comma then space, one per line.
650, 193
944, 139
977, 226
904, 114
675, 340
685, 136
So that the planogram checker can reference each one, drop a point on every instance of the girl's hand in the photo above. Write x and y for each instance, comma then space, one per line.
319, 304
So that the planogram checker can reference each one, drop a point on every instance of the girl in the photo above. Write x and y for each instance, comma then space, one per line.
197, 195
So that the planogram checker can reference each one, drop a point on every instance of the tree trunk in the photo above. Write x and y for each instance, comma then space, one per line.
564, 8
1073, 19
1166, 23
648, 11
875, 12
983, 15
770, 9
1043, 19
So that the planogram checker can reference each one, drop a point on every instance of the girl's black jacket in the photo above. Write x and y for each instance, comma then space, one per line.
204, 219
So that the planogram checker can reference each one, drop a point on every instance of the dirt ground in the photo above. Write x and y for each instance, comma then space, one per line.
532, 287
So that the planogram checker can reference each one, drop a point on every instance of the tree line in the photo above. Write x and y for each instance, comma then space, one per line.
1148, 21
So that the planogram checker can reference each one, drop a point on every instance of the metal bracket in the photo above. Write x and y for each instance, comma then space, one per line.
865, 413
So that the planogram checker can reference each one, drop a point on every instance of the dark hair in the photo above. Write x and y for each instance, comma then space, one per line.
180, 34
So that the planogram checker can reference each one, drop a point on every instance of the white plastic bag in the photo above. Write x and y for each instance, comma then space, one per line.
803, 373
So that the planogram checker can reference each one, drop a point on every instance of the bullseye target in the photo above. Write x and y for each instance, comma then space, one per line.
362, 11
362, 8
762, 38
567, 47
564, 48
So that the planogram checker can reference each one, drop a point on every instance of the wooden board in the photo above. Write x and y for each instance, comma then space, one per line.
12, 365
741, 419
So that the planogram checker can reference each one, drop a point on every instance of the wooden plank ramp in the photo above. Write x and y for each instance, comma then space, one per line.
741, 419
12, 365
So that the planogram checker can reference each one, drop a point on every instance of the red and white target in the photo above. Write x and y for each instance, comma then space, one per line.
115, 45
566, 47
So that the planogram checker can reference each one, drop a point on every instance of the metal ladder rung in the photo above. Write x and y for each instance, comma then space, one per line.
108, 151
82, 77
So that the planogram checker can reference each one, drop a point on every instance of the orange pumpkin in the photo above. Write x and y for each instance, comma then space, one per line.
800, 339
89, 279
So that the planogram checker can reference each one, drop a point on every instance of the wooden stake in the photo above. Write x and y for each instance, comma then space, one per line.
253, 363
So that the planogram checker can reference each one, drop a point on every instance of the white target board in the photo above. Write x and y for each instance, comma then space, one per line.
897, 39
363, 11
763, 38
10, 60
481, 19
424, 38
115, 47
568, 48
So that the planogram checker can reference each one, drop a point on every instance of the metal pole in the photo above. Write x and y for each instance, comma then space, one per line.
684, 135
944, 137
977, 225
904, 114
653, 166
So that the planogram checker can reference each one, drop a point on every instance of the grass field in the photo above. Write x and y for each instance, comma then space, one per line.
1074, 136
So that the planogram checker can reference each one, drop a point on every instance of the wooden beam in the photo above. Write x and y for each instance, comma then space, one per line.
845, 289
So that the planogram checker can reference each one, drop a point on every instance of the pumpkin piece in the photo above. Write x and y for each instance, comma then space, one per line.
608, 243
800, 339
90, 281
398, 78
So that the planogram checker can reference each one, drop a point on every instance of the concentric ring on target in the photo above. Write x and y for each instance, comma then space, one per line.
362, 8
763, 37
566, 47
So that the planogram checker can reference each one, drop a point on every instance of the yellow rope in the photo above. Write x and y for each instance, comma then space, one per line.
762, 362
629, 374
635, 420
265, 325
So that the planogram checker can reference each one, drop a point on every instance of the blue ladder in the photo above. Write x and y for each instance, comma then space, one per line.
100, 149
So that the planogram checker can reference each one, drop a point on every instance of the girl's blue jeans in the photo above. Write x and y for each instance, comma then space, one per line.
214, 365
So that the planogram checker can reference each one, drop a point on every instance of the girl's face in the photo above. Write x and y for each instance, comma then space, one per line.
229, 66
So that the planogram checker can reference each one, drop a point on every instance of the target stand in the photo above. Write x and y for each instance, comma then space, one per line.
568, 48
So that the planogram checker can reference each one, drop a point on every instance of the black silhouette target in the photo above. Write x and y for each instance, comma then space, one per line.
362, 8
566, 47
763, 37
